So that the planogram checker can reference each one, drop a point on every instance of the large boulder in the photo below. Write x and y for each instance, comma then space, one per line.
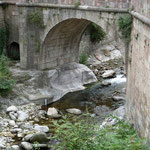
39, 137
49, 85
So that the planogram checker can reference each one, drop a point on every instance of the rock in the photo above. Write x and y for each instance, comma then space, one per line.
28, 137
2, 146
108, 74
39, 137
7, 134
41, 128
12, 123
11, 109
20, 135
12, 116
14, 147
105, 83
101, 110
74, 111
15, 130
108, 122
22, 116
27, 125
118, 98
120, 112
53, 113
26, 146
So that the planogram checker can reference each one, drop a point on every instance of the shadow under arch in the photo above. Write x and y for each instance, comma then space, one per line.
61, 44
13, 51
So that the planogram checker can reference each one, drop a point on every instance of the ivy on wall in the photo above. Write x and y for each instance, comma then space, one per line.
125, 26
36, 18
96, 33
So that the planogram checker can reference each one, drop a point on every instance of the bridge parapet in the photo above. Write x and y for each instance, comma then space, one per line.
98, 3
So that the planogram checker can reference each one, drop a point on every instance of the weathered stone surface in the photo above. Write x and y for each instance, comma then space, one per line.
26, 146
39, 137
74, 111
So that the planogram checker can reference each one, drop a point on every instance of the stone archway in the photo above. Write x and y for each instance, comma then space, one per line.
13, 51
61, 44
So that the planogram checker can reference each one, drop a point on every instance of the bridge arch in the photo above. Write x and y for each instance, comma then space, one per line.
61, 44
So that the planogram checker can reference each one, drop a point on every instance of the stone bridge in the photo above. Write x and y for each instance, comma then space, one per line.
49, 31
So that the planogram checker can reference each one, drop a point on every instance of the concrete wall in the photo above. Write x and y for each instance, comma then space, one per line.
138, 85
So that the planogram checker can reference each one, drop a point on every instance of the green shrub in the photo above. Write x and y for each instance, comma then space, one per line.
83, 135
83, 58
125, 26
6, 81
96, 33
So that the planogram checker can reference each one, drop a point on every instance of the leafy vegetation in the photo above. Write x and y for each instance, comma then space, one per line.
83, 135
6, 81
83, 58
125, 26
96, 33
36, 18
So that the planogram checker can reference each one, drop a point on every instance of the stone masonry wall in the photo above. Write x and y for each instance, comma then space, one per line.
98, 3
1, 16
138, 84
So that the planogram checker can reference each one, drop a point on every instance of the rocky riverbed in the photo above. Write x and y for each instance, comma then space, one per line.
41, 97
24, 126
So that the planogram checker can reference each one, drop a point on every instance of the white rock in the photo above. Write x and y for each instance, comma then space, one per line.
74, 111
22, 116
12, 123
108, 73
12, 116
53, 113
118, 98
26, 146
12, 108
20, 135
15, 147
41, 128
28, 137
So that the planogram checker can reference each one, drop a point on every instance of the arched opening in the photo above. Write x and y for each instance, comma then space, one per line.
61, 44
14, 51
